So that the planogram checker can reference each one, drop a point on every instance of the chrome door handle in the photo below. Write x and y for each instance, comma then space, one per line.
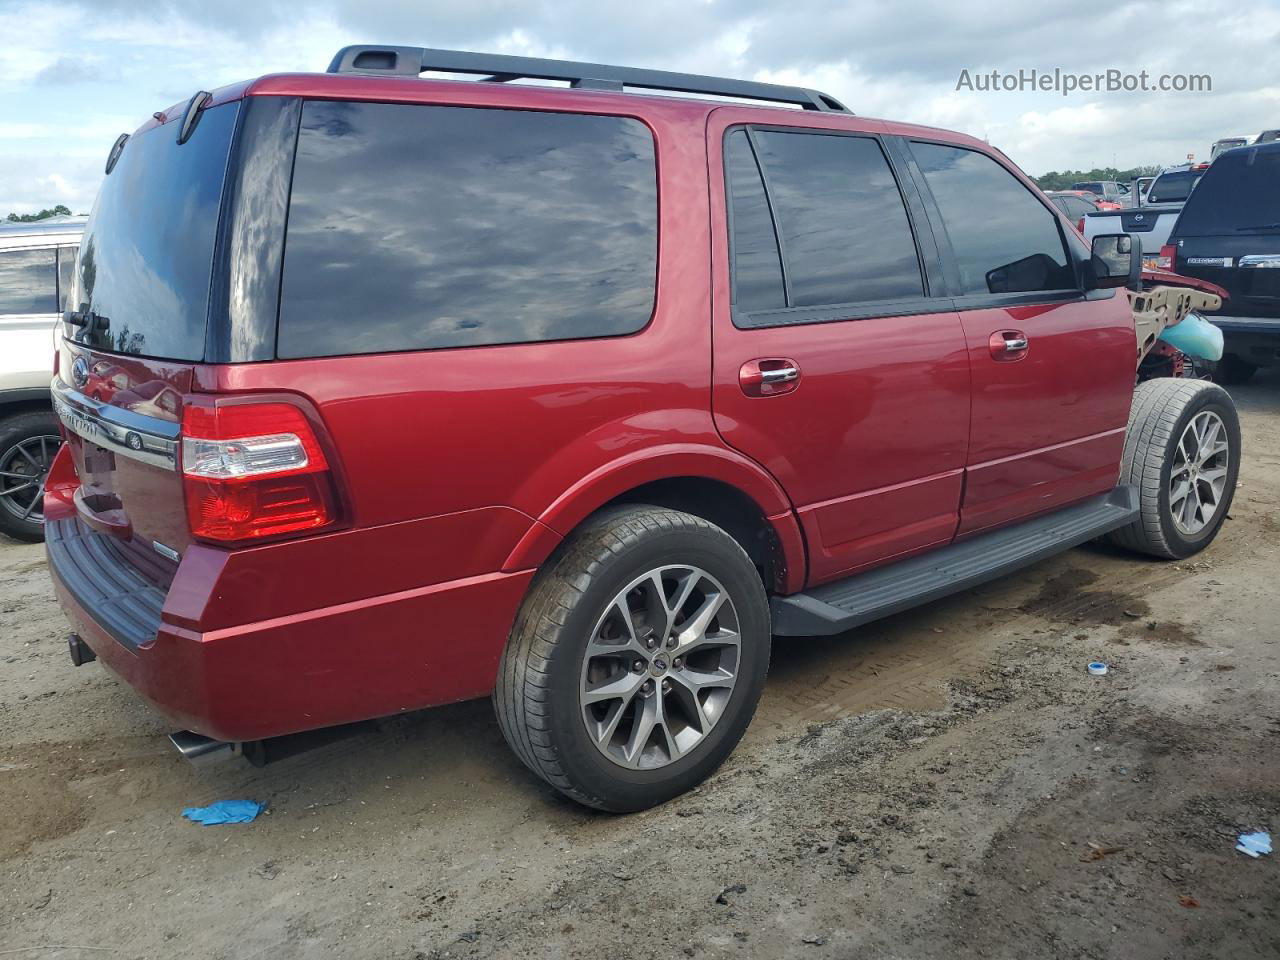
1017, 343
783, 375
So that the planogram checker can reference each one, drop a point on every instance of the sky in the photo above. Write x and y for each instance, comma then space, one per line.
75, 75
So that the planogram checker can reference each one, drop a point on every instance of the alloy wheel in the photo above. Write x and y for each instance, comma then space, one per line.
1198, 479
660, 667
23, 470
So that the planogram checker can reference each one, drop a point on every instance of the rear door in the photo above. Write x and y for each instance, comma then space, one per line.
1053, 369
1229, 231
833, 366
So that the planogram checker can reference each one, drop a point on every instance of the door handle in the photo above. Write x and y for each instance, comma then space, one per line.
1008, 345
770, 377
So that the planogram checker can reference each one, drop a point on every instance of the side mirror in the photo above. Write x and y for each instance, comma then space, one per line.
1115, 260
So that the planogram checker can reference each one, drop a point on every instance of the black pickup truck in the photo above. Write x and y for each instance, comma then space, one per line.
1229, 233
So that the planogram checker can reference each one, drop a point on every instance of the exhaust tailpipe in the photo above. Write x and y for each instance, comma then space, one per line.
193, 746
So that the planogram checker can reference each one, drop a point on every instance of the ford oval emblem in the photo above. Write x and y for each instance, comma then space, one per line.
80, 372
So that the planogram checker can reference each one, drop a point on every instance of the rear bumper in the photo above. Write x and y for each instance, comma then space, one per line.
1260, 325
329, 665
1255, 340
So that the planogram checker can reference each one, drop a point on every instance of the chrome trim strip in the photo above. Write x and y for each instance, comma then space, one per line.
1257, 260
134, 435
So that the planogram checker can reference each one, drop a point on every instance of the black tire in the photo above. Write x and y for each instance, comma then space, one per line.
537, 694
1232, 371
20, 429
1161, 411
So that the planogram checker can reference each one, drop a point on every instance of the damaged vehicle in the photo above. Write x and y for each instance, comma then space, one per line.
580, 399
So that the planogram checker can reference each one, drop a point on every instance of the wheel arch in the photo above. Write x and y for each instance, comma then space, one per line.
720, 486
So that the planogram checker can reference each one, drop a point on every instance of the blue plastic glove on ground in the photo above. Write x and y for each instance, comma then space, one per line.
225, 811
1254, 844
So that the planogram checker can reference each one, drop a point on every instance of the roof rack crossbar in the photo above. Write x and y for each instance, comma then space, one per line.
500, 68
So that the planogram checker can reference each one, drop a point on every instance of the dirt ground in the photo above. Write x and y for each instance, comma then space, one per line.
949, 783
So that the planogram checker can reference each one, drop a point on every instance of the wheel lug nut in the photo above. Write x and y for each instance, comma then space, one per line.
638, 666
666, 686
672, 642
678, 662
647, 689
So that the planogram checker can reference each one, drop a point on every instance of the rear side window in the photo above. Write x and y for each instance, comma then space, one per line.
1172, 187
1238, 196
415, 227
1002, 237
842, 221
28, 281
757, 267
147, 253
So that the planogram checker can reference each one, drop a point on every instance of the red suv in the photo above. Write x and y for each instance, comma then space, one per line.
384, 392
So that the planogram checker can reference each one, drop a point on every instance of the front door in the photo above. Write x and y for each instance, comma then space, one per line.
1053, 368
833, 367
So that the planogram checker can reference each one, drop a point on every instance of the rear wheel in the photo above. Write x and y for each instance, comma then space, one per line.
637, 660
1182, 452
1232, 370
28, 443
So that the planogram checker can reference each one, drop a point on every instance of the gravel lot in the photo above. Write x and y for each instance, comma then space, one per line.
948, 783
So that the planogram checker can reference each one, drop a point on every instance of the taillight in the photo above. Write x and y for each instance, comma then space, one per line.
253, 470
1167, 255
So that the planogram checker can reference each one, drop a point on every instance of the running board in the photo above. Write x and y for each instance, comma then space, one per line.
836, 607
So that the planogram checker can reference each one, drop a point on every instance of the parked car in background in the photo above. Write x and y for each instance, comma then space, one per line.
1152, 222
1175, 184
36, 265
1108, 190
526, 450
1077, 204
1229, 234
1226, 143
1268, 136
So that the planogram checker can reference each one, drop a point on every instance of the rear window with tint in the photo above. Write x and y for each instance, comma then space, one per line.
28, 281
147, 252
1172, 187
415, 227
1238, 196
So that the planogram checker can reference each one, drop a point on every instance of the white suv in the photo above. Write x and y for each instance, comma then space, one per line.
37, 262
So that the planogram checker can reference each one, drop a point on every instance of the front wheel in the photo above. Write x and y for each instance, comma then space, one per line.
637, 659
1182, 452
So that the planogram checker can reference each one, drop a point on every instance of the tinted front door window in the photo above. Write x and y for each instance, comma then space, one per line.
1003, 238
413, 227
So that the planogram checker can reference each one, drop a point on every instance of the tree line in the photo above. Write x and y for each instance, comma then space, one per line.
58, 211
1053, 180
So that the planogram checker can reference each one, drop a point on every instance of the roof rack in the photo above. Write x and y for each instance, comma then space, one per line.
499, 68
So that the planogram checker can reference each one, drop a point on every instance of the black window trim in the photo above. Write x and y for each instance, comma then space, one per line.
978, 301
926, 253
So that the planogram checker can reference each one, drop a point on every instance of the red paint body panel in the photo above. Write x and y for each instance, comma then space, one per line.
1047, 429
871, 445
459, 471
